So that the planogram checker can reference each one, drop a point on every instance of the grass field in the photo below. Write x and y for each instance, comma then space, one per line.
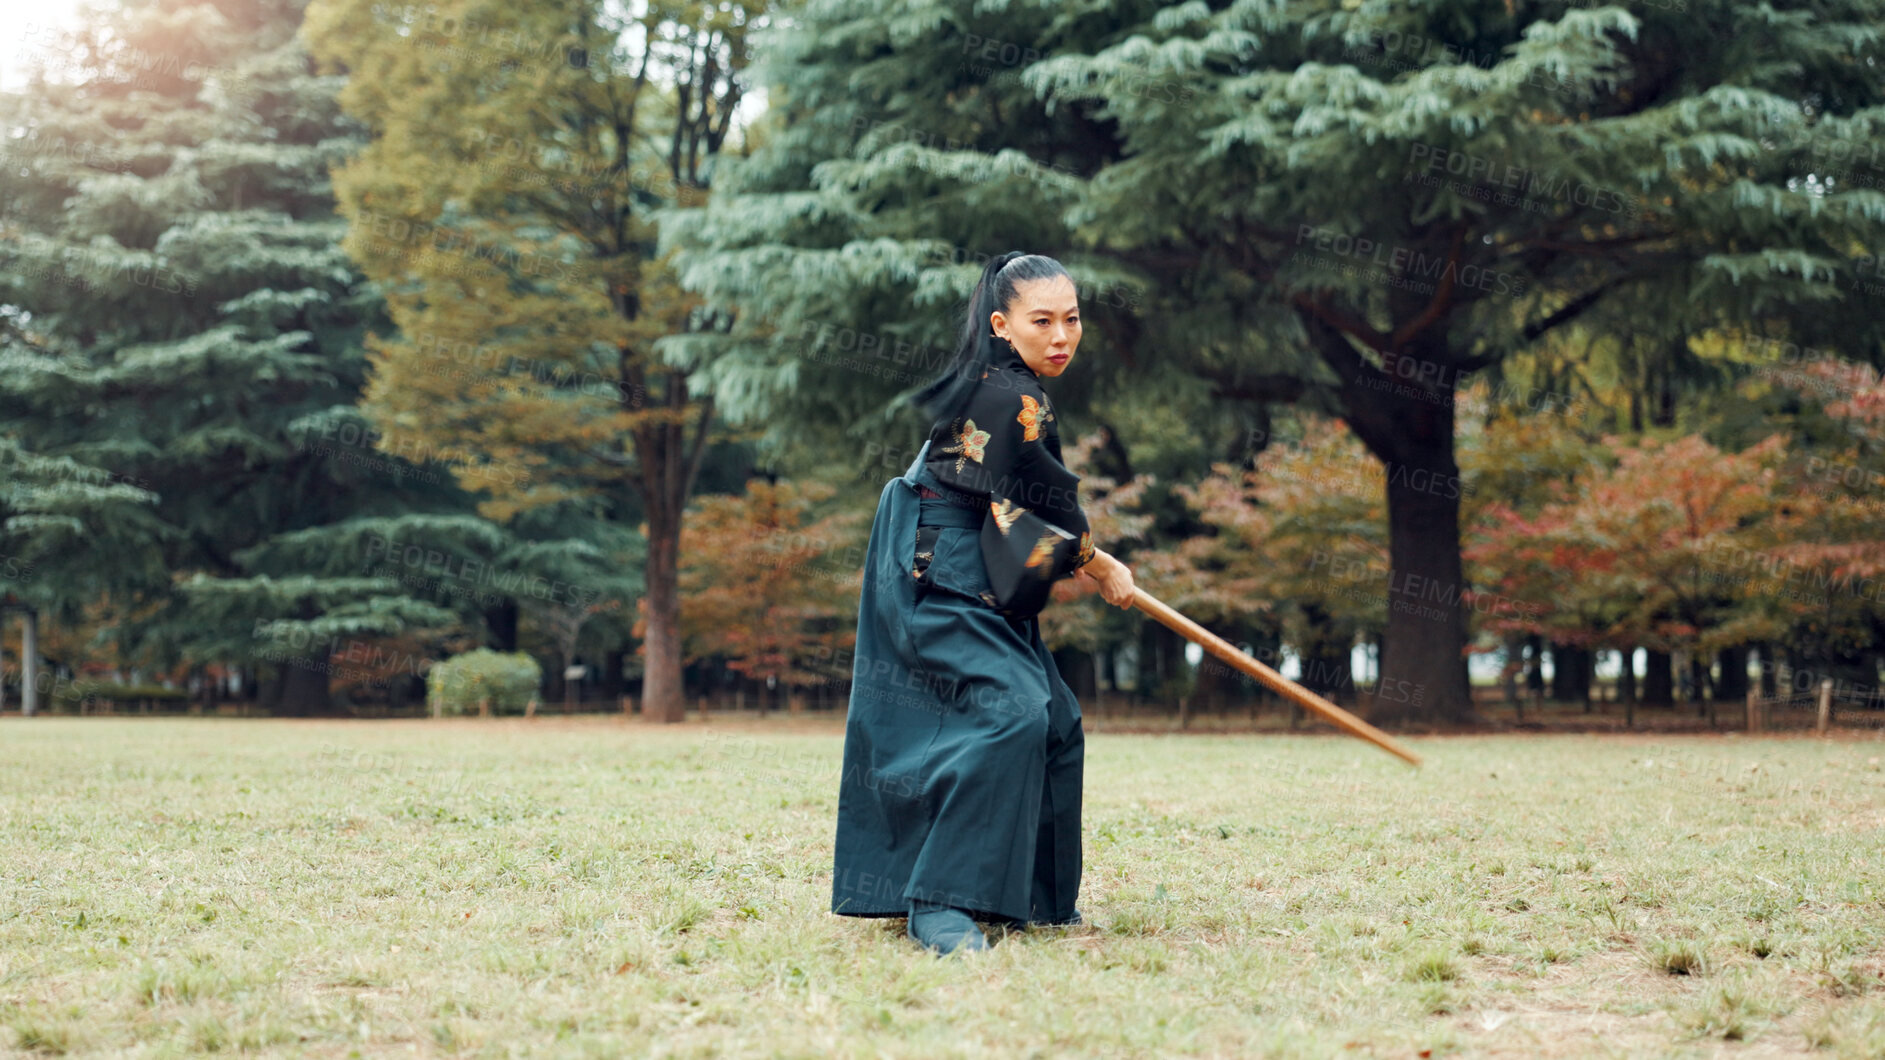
601, 887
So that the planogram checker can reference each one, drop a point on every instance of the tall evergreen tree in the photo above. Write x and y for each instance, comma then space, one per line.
181, 318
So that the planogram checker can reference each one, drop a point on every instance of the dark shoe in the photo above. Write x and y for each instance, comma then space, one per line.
943, 928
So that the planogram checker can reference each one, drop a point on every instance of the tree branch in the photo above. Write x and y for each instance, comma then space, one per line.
1569, 311
1442, 297
1344, 324
1270, 387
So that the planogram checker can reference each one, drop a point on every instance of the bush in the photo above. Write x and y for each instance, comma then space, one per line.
509, 681
87, 693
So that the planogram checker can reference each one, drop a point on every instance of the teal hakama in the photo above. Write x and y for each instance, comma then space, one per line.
963, 750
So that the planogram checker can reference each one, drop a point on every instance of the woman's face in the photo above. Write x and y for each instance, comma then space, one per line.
1043, 322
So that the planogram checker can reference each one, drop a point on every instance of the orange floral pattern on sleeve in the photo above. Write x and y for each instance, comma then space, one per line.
971, 444
1043, 550
1085, 552
1030, 417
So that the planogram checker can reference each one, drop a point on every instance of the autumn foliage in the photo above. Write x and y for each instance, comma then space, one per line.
772, 587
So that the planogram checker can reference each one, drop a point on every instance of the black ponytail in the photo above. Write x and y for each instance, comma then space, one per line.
977, 348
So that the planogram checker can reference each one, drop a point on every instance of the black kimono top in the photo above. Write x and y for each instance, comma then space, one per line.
1005, 442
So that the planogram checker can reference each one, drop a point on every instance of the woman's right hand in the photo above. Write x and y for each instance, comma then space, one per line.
1114, 577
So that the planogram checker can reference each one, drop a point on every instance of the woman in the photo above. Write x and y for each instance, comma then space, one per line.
960, 792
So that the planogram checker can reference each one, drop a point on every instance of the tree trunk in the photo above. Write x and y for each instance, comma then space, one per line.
1570, 674
612, 674
1659, 688
1563, 672
1626, 676
1698, 682
1406, 419
1215, 679
1534, 663
1733, 686
1328, 673
663, 698
1848, 667
1423, 665
501, 622
1514, 665
304, 690
1770, 670
666, 467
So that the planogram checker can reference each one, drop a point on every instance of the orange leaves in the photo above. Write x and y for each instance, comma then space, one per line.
1301, 539
768, 586
1646, 551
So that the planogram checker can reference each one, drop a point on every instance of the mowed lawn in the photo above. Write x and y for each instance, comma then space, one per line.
602, 887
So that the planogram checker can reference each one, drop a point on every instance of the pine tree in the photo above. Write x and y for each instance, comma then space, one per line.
181, 318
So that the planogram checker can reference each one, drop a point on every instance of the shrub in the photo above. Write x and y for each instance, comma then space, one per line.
508, 680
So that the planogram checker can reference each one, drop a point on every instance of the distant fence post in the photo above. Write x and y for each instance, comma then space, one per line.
29, 663
1754, 711
1826, 704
